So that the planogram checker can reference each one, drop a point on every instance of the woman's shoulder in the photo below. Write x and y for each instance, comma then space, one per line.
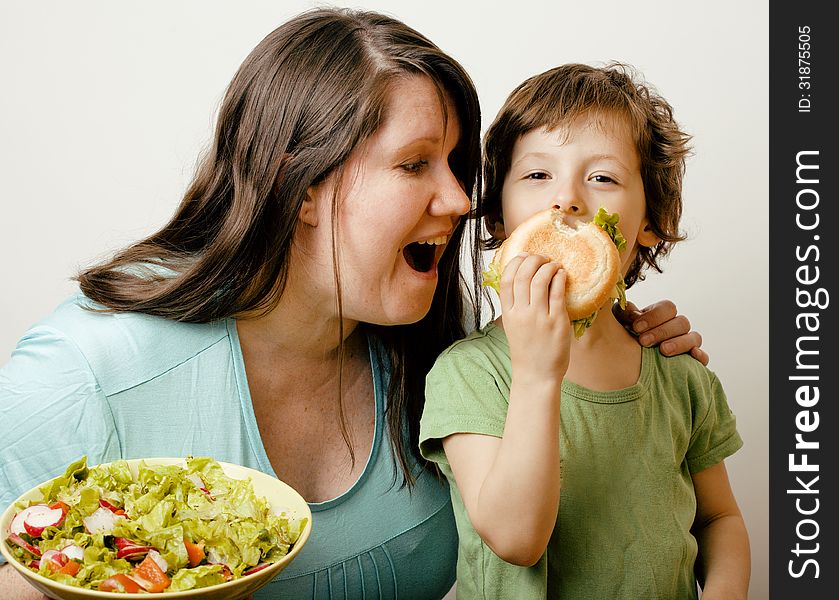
124, 349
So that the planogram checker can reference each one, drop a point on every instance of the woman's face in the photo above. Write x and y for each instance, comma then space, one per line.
399, 202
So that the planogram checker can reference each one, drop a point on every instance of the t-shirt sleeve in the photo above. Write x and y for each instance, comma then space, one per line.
52, 412
714, 436
463, 394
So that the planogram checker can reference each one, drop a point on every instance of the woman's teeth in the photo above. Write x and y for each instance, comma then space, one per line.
421, 256
437, 241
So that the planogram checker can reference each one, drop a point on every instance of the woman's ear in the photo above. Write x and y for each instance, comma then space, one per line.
495, 226
309, 208
646, 236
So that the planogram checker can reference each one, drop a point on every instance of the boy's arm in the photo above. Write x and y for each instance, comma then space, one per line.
510, 486
723, 566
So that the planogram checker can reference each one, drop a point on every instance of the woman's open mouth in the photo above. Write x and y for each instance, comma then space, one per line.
422, 256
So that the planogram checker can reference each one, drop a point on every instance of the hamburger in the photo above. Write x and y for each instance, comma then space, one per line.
588, 253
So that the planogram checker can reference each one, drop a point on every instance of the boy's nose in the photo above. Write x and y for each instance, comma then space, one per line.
573, 207
569, 195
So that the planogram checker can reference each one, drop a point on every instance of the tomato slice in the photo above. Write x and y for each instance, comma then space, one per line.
195, 552
71, 568
150, 576
119, 583
59, 504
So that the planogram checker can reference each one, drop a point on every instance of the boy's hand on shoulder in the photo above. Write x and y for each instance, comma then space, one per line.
535, 318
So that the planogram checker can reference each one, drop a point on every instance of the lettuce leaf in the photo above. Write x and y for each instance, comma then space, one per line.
608, 222
197, 577
580, 325
492, 277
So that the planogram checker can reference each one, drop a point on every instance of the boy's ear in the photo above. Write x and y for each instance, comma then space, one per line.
309, 208
646, 237
495, 226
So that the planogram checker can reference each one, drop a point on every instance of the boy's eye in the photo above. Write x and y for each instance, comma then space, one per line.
602, 179
414, 167
537, 175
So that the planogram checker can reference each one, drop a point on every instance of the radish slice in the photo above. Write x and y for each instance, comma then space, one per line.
55, 559
19, 541
196, 480
34, 564
161, 562
199, 483
111, 507
73, 552
39, 517
256, 569
17, 524
121, 542
100, 521
133, 552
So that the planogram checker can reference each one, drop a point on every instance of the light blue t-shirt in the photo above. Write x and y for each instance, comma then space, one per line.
128, 385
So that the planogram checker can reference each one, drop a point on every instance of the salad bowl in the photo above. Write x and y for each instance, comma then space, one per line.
242, 485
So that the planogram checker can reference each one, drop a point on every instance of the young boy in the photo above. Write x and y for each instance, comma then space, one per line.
591, 467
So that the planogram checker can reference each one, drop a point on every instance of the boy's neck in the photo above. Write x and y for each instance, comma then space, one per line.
605, 358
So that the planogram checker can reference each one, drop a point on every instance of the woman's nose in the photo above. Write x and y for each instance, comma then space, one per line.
451, 199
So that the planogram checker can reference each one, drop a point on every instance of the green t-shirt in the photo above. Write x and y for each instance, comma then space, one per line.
627, 500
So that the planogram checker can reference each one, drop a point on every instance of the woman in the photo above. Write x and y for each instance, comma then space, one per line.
286, 316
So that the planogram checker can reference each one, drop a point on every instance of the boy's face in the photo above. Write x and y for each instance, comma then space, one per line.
590, 164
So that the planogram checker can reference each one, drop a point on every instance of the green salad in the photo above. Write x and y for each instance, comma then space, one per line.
169, 529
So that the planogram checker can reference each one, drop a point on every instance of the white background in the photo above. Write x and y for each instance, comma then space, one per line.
105, 107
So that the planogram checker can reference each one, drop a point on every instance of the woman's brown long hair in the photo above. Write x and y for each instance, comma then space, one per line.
305, 97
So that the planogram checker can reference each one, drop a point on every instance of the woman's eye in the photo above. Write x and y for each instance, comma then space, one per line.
414, 167
602, 179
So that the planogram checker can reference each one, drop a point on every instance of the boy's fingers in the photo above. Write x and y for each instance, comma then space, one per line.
540, 285
524, 277
556, 301
508, 276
